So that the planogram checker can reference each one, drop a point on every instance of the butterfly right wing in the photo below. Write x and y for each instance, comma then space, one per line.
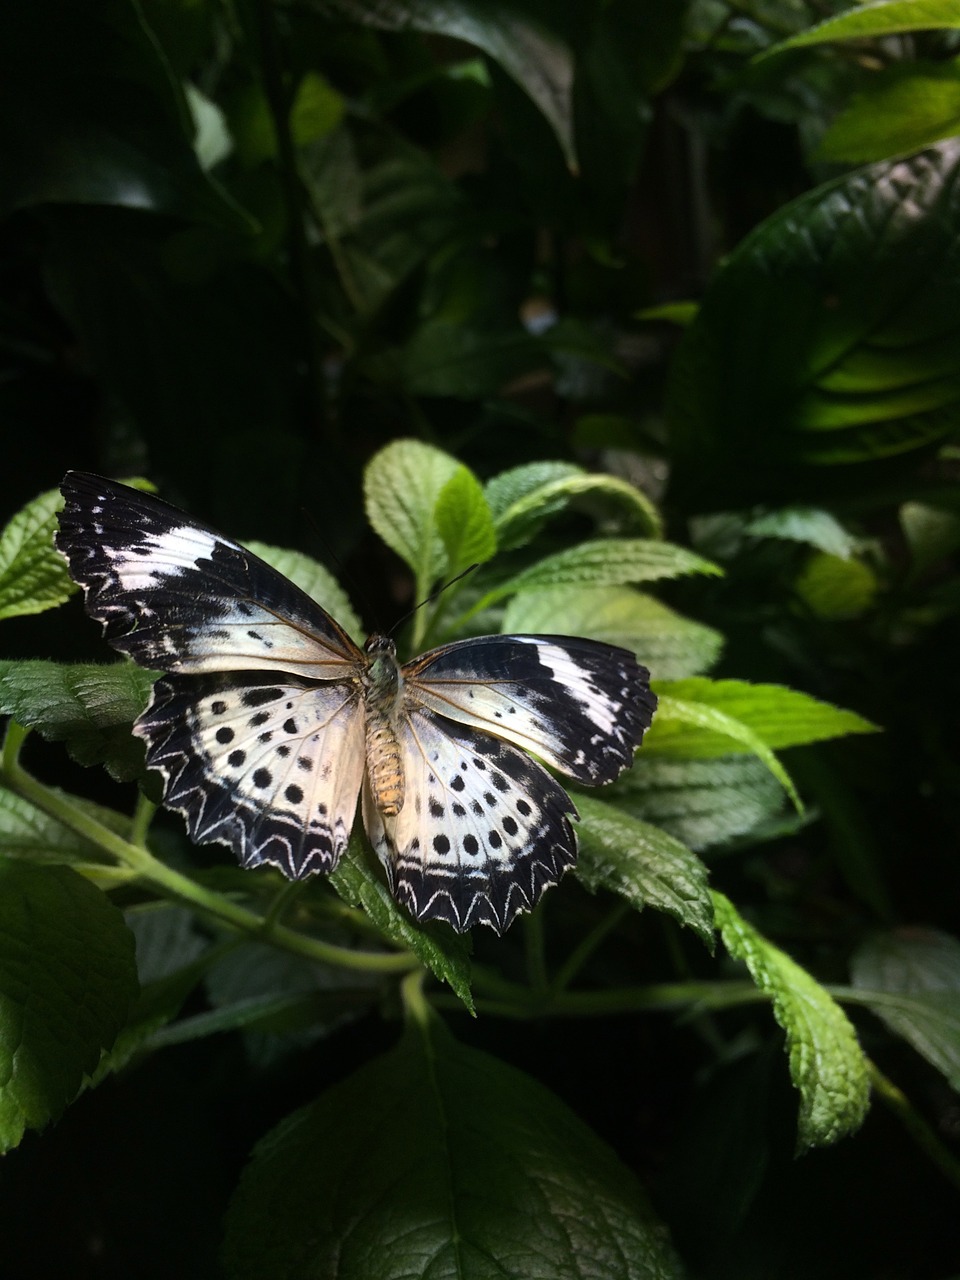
175, 595
271, 769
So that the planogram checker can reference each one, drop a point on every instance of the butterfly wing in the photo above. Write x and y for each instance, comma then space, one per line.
579, 705
482, 832
258, 728
271, 769
179, 597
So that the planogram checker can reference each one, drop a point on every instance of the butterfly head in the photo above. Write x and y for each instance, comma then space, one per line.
382, 679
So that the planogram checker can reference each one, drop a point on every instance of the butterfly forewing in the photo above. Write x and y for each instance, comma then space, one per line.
483, 830
272, 770
180, 597
580, 705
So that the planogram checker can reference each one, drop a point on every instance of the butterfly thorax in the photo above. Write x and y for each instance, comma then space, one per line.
382, 693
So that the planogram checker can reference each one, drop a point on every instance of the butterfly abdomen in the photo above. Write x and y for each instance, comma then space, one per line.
382, 692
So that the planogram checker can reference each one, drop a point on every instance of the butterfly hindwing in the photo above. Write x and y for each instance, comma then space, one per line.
271, 769
483, 829
580, 705
179, 597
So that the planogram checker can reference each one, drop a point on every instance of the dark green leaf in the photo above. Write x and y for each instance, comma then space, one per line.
826, 1062
32, 576
670, 645
88, 707
643, 865
910, 978
437, 1160
67, 977
902, 109
830, 335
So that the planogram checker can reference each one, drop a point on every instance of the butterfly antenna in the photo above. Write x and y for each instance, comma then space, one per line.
433, 595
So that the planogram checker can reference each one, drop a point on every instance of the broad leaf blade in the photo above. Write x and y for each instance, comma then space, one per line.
871, 21
669, 644
464, 522
910, 978
67, 977
826, 1062
523, 499
437, 1160
32, 576
780, 717
401, 487
644, 865
830, 336
88, 707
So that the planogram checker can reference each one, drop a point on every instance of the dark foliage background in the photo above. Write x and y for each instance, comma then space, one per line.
244, 245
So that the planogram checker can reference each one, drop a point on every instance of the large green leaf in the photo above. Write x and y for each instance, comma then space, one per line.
882, 18
702, 803
910, 978
438, 1161
87, 706
899, 110
402, 486
534, 57
32, 576
830, 336
826, 1062
523, 498
780, 718
67, 977
644, 865
670, 645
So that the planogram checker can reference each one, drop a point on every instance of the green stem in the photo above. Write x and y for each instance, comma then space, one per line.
415, 1004
915, 1125
536, 952
142, 817
207, 901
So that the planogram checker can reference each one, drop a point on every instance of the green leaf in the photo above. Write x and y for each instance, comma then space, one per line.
910, 978
445, 953
836, 589
644, 865
88, 707
830, 336
702, 803
607, 562
779, 717
32, 576
464, 522
933, 534
317, 109
522, 499
402, 485
28, 832
827, 1065
449, 358
812, 525
317, 581
448, 1164
670, 645
708, 722
870, 21
536, 59
67, 977
899, 110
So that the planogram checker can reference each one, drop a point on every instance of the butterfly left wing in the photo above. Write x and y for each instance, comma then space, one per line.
176, 595
483, 829
579, 705
273, 770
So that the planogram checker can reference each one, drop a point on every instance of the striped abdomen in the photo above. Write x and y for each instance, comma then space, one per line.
384, 769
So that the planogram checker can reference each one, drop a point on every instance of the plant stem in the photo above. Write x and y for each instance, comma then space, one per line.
208, 901
587, 945
915, 1125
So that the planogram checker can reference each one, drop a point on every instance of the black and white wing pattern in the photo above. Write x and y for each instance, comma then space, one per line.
258, 728
486, 829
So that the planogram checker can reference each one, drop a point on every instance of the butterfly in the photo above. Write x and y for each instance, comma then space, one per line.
269, 722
